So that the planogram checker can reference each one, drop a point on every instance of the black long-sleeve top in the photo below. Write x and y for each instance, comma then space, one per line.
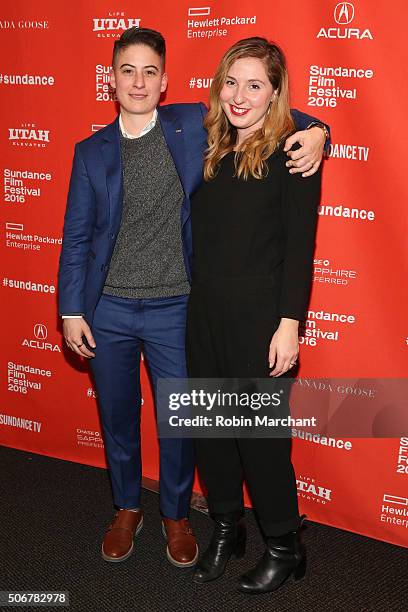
262, 228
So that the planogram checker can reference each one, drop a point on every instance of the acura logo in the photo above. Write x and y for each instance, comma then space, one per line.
344, 13
40, 331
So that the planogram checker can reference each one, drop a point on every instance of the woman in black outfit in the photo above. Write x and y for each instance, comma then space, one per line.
253, 241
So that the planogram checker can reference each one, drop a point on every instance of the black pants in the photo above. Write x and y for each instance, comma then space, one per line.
229, 329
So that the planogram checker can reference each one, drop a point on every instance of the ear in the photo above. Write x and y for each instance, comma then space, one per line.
112, 80
164, 82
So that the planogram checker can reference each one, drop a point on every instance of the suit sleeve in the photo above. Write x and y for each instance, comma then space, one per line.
302, 121
203, 109
300, 200
77, 235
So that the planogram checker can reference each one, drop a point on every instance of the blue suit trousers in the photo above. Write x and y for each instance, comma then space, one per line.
122, 328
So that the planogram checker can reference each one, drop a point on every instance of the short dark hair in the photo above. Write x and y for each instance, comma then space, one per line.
140, 36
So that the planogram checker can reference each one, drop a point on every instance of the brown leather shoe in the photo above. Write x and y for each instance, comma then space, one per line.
117, 544
182, 549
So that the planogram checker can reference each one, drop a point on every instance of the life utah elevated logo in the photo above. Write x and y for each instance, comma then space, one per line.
114, 24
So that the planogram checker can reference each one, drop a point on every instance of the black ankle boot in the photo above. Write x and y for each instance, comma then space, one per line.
228, 539
284, 556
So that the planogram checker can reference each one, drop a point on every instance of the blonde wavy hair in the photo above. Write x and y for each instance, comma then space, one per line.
278, 124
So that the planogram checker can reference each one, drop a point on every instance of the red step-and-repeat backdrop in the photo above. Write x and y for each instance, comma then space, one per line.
347, 63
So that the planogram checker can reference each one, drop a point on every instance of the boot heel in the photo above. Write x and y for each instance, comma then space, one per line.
240, 548
300, 570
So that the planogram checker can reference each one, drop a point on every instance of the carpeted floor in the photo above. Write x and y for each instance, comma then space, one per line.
53, 516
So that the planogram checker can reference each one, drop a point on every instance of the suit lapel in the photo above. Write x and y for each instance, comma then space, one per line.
113, 166
175, 138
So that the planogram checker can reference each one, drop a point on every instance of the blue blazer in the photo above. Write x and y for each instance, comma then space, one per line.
95, 199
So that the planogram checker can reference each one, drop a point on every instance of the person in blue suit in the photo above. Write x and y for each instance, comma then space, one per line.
125, 273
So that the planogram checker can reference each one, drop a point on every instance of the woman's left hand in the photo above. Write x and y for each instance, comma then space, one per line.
284, 347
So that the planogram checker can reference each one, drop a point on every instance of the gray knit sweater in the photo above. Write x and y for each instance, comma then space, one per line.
147, 260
